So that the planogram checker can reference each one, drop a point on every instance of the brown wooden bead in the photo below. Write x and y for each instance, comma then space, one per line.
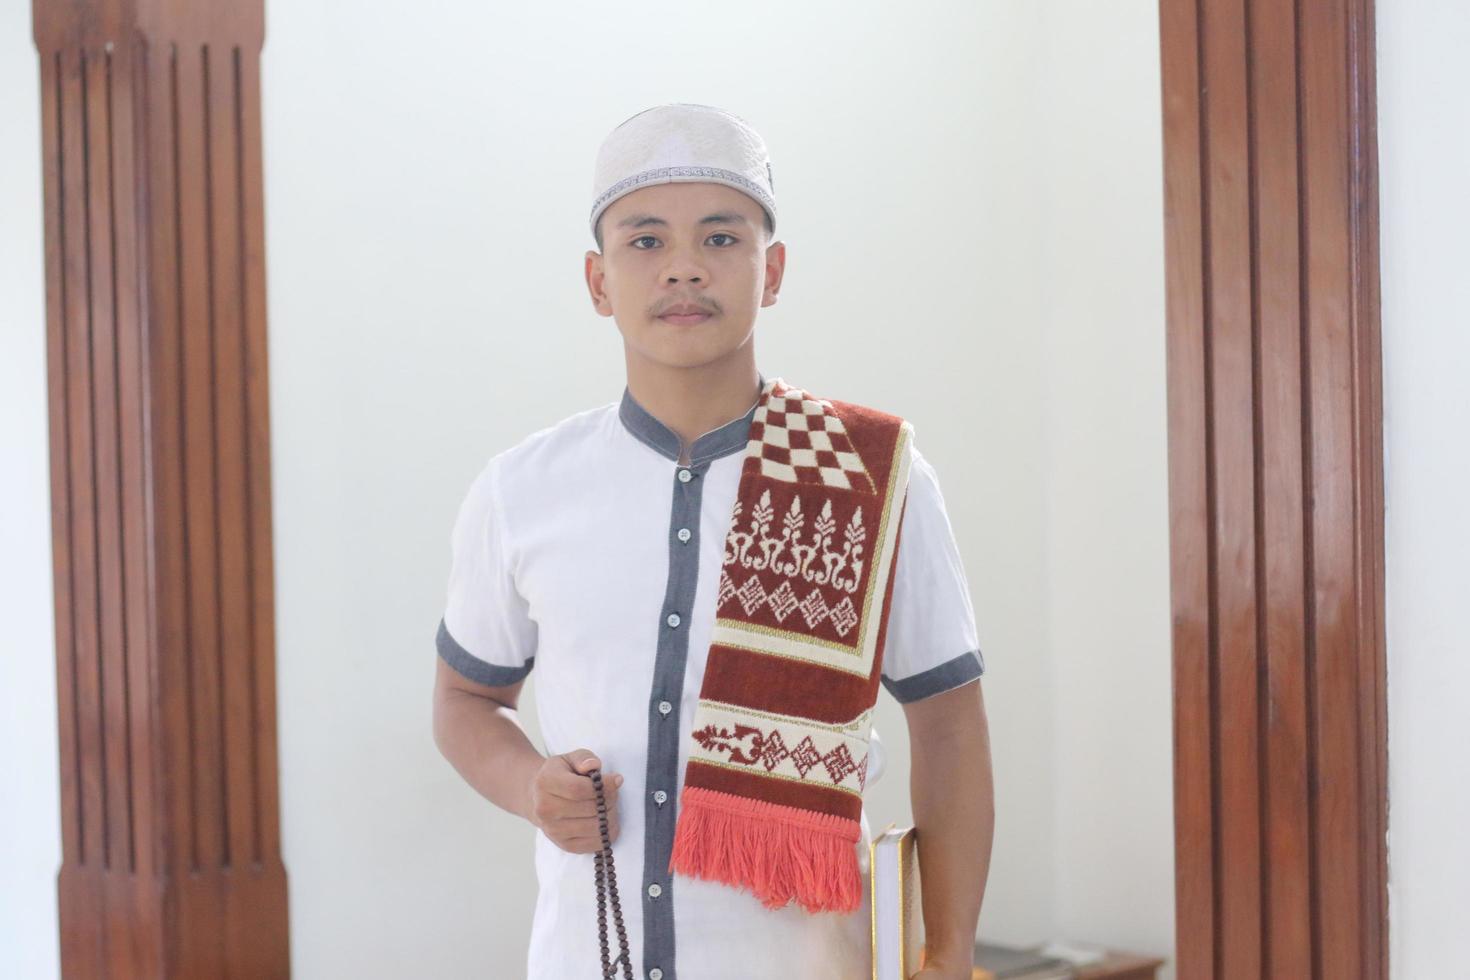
607, 880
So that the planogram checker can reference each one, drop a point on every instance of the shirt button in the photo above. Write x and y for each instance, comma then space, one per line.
655, 974
654, 890
659, 796
664, 707
673, 620
685, 534
685, 476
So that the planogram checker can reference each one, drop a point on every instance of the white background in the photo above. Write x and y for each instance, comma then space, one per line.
971, 199
1424, 157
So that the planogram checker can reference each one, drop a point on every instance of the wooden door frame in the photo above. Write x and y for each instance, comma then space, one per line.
160, 489
1276, 488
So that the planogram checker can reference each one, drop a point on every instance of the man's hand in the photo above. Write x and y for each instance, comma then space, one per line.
935, 971
564, 803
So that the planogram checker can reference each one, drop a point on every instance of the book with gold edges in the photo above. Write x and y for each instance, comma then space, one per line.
893, 873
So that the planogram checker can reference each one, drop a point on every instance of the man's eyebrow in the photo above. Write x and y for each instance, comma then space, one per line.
719, 218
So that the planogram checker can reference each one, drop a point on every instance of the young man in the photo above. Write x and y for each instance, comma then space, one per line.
603, 551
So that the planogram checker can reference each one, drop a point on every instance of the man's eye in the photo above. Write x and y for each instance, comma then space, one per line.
651, 238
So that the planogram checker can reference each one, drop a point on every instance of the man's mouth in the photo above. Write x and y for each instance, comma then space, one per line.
684, 319
684, 314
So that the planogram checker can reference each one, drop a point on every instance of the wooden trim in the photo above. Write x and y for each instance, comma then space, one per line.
1276, 499
160, 485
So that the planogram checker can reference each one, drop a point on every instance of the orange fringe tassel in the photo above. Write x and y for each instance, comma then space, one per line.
776, 852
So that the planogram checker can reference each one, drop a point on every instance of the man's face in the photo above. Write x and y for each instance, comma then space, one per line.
685, 246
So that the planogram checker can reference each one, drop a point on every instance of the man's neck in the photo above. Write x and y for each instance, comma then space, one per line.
693, 401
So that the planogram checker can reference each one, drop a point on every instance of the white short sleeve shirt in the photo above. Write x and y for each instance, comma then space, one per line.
588, 553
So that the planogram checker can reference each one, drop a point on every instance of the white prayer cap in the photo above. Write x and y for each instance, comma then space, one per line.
682, 141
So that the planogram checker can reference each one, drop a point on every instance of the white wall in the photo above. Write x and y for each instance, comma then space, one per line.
1424, 157
426, 226
1107, 477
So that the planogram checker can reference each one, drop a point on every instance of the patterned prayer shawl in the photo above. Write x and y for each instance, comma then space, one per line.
772, 798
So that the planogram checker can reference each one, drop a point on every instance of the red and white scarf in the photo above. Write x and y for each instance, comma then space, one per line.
772, 797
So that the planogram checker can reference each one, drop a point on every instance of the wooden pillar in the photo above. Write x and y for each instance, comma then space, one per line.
1276, 488
160, 484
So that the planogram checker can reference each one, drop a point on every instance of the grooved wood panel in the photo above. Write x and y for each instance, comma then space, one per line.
1275, 488
160, 467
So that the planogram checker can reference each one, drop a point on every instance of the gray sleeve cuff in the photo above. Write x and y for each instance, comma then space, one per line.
936, 680
475, 669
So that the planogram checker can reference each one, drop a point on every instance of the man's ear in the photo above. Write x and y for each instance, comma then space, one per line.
775, 272
595, 276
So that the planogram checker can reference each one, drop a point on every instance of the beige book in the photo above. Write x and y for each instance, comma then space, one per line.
893, 872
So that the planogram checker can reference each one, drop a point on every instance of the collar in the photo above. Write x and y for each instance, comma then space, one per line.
728, 438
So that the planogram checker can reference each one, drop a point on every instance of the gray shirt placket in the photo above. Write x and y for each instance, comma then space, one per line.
660, 805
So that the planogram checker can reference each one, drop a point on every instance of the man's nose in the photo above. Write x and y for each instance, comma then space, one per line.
684, 264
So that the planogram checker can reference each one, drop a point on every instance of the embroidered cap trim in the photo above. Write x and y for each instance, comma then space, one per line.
672, 174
